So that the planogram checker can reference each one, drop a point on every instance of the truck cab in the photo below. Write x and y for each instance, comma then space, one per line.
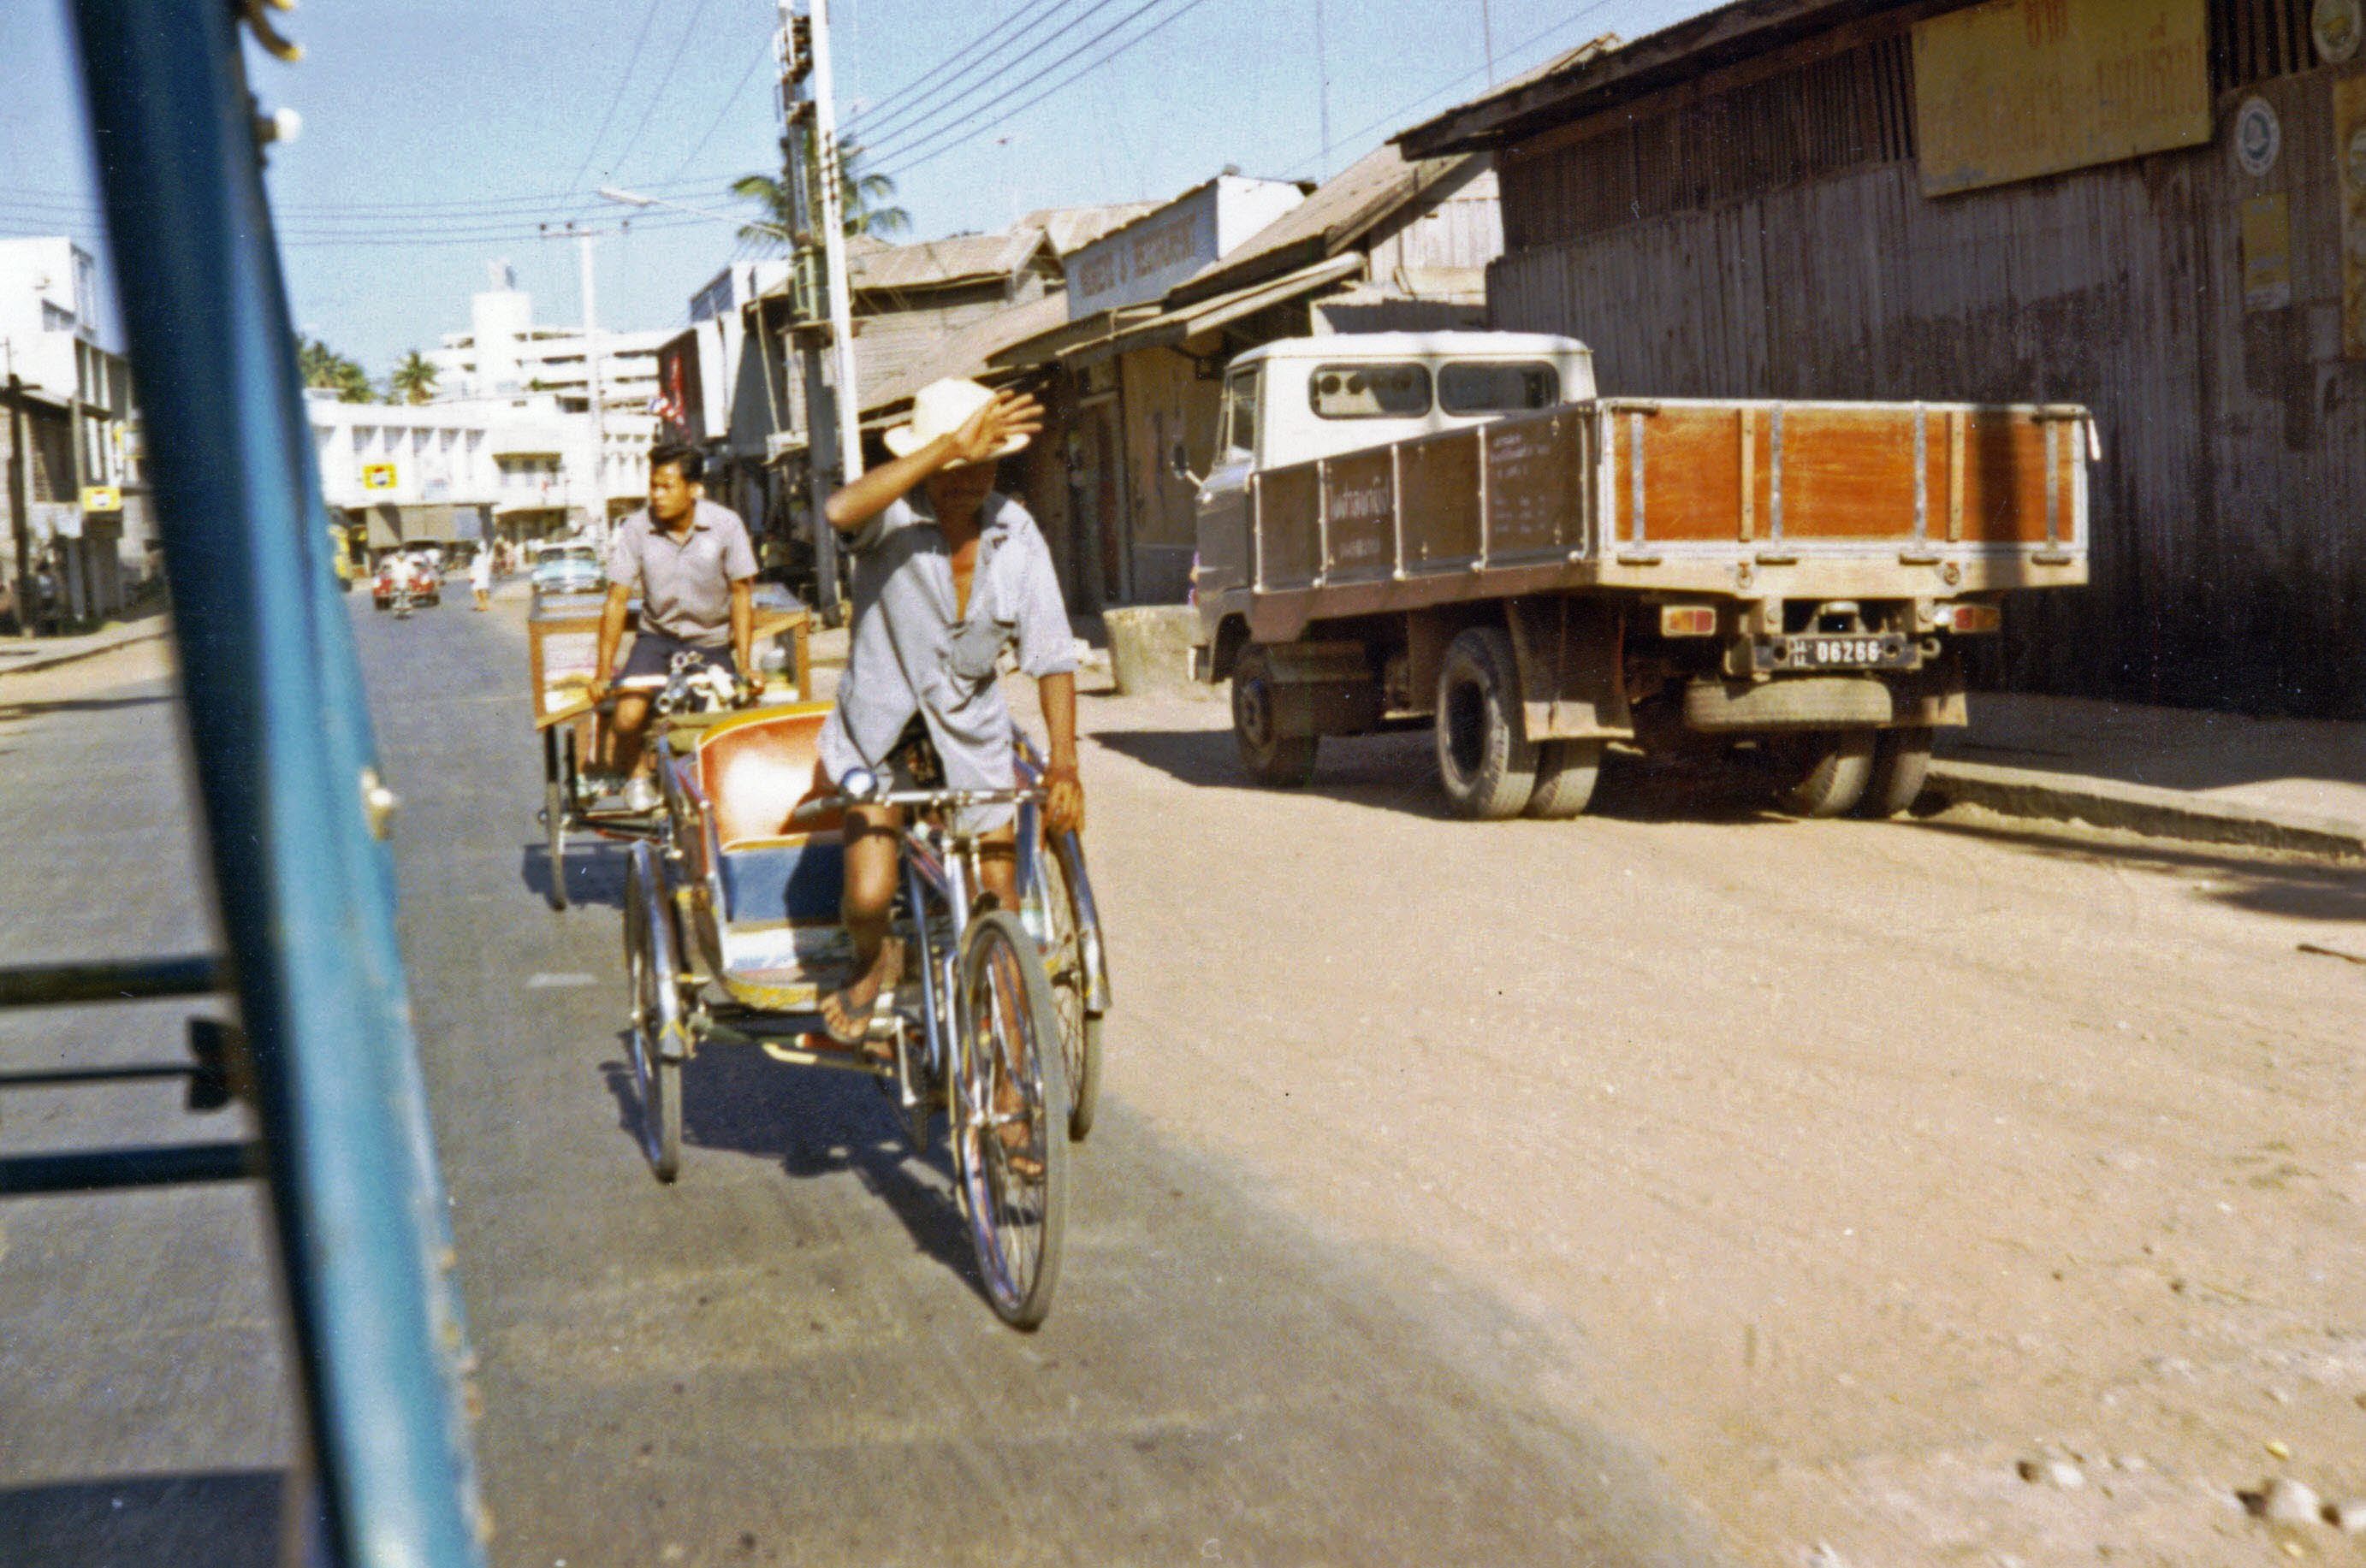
1304, 399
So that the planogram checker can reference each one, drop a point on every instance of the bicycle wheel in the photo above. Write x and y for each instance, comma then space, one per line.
656, 1027
1072, 987
1009, 1098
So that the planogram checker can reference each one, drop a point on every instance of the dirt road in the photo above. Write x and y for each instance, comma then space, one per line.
1857, 1167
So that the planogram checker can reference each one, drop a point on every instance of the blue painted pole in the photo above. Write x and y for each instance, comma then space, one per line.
281, 742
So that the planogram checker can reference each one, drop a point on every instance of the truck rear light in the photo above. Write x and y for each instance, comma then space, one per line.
1967, 618
1688, 620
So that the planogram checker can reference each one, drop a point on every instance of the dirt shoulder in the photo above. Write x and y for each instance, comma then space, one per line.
1861, 1167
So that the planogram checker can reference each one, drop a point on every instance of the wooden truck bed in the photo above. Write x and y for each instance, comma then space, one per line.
1748, 498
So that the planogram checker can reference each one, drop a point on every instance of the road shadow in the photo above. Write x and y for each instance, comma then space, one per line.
595, 873
814, 1122
2296, 890
2160, 748
223, 1519
1397, 772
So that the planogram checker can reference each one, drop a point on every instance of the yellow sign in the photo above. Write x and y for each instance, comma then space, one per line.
2018, 88
2349, 156
378, 476
102, 498
2267, 252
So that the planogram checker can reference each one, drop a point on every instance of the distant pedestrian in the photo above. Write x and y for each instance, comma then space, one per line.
480, 577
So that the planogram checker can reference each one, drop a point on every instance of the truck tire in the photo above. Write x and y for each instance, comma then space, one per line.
1824, 773
1284, 761
1565, 774
1484, 764
1901, 763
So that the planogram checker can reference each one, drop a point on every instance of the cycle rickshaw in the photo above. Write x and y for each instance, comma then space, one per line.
732, 936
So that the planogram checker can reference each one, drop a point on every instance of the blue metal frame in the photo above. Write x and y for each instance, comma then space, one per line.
284, 761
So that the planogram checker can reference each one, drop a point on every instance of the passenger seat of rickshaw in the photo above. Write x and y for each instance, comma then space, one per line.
754, 771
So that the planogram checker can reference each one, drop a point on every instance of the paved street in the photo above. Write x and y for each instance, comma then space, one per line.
1675, 1185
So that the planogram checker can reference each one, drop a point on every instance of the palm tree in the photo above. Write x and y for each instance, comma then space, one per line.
324, 367
863, 199
413, 380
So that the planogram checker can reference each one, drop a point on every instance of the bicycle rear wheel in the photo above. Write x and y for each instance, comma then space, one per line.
653, 966
1009, 1107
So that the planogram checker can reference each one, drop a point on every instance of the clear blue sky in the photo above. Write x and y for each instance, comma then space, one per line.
438, 133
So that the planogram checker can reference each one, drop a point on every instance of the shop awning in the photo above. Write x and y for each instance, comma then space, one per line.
1183, 325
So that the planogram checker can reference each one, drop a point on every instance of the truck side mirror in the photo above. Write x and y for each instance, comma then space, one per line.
1179, 466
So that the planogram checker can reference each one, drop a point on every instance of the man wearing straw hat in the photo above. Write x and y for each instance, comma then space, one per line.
940, 591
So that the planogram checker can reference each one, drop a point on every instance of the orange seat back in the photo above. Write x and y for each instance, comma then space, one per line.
756, 769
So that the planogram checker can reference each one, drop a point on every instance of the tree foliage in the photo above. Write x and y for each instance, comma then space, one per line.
324, 367
413, 380
865, 199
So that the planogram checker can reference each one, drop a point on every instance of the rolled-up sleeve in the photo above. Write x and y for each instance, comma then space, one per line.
1046, 645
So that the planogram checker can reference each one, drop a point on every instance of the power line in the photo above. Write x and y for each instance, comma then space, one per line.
664, 77
963, 55
484, 206
729, 103
591, 148
944, 147
910, 128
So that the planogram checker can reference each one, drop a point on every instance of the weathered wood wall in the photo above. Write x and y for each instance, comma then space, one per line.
2230, 505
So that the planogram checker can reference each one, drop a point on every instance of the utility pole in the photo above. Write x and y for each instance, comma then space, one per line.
19, 508
809, 145
595, 395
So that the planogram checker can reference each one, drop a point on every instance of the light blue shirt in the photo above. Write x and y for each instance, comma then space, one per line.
913, 652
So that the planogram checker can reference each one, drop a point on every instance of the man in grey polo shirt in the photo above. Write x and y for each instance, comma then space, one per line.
690, 562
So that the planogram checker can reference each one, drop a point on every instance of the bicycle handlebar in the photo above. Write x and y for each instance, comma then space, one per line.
932, 800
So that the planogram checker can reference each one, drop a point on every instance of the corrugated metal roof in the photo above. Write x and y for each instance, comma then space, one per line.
967, 352
1341, 211
1071, 228
935, 264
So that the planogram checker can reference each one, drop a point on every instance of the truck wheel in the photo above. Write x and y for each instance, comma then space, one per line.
1488, 770
1825, 773
1285, 761
1901, 762
1565, 774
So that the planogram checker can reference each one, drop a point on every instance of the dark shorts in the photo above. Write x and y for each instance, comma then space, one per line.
653, 655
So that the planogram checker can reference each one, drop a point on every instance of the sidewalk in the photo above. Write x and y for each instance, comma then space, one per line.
2210, 777
19, 654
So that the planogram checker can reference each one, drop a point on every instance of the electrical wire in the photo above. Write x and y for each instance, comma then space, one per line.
664, 77
730, 102
894, 103
591, 148
912, 126
913, 158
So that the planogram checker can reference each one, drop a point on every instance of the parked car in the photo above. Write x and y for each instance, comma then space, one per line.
569, 567
399, 570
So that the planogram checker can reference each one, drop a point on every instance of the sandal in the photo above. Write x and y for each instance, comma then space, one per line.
889, 967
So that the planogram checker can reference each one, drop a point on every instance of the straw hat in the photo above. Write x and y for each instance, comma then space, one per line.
940, 409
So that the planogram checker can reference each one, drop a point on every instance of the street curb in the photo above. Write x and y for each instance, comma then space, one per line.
2139, 808
52, 661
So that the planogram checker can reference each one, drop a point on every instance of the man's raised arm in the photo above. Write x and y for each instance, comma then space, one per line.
980, 437
612, 633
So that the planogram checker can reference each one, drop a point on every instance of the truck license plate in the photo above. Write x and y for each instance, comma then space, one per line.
1846, 653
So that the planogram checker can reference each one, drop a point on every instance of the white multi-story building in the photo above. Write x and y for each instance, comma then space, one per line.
470, 467
504, 354
86, 522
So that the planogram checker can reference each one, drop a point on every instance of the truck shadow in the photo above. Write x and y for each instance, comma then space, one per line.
812, 1122
1396, 772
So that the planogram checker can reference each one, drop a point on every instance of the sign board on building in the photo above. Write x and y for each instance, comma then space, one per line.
2267, 252
2259, 137
102, 498
2337, 25
379, 476
2018, 88
2350, 153
1138, 263
681, 400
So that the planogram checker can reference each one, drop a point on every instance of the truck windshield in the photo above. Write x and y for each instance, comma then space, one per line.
1500, 388
1370, 391
1240, 412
